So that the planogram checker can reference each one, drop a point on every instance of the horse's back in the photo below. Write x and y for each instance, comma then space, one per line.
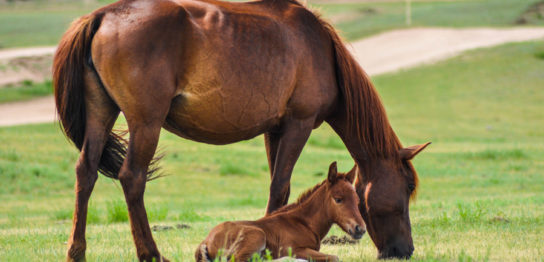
231, 71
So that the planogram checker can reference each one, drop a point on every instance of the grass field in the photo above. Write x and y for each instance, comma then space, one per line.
41, 22
25, 90
357, 20
481, 179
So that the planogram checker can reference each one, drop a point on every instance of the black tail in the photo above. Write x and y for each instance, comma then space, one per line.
72, 58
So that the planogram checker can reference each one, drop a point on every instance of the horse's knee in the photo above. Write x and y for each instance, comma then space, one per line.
86, 178
133, 184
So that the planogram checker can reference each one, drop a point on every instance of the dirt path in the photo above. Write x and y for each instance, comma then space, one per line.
383, 53
25, 52
400, 49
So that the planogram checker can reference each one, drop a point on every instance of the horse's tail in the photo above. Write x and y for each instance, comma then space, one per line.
201, 254
364, 109
72, 59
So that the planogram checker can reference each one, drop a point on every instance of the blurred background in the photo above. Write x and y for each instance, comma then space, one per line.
467, 75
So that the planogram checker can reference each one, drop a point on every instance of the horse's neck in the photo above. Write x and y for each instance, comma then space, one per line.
312, 215
349, 135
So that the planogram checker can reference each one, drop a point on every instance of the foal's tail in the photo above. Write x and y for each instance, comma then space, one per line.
201, 254
72, 59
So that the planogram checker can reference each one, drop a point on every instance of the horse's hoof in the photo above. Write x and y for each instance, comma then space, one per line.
155, 259
76, 253
79, 259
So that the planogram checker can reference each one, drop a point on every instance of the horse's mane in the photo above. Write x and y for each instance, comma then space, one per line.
301, 199
364, 108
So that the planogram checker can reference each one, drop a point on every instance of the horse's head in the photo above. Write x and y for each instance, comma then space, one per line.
342, 202
385, 187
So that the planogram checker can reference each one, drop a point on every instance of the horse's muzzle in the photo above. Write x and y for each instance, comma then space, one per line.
396, 251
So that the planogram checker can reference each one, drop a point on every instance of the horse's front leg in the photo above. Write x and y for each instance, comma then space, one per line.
288, 144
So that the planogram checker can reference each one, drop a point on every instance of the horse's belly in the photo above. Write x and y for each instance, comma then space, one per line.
220, 118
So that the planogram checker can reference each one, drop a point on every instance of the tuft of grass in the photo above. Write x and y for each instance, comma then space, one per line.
473, 213
117, 211
189, 215
327, 142
93, 215
540, 55
157, 213
490, 154
230, 168
62, 214
24, 91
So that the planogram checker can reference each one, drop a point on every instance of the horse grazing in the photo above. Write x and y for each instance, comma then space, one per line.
218, 73
298, 227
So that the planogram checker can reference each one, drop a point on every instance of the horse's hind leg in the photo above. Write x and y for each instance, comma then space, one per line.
144, 120
101, 115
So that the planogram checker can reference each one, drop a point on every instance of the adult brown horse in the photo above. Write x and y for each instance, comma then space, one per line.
218, 73
299, 226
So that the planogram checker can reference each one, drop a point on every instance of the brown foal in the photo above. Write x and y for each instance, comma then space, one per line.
222, 72
297, 228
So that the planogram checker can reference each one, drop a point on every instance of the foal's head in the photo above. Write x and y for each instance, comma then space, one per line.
342, 202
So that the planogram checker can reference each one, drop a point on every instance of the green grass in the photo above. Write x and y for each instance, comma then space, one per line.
24, 91
36, 23
481, 179
358, 20
41, 22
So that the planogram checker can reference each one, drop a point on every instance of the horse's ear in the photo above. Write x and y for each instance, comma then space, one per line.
350, 176
410, 152
333, 173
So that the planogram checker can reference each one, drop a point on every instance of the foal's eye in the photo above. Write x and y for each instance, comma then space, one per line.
411, 187
338, 200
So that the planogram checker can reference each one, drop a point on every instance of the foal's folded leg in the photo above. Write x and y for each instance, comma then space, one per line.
312, 255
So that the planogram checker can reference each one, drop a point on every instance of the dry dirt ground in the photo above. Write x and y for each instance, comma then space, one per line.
383, 53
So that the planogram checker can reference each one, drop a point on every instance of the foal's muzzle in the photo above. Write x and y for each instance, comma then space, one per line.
357, 232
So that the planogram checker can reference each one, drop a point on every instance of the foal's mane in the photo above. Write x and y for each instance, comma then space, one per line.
301, 199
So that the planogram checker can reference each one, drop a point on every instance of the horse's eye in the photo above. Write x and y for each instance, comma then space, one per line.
411, 187
337, 200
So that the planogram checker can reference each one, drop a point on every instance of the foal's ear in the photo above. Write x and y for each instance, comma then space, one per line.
333, 173
410, 152
350, 176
